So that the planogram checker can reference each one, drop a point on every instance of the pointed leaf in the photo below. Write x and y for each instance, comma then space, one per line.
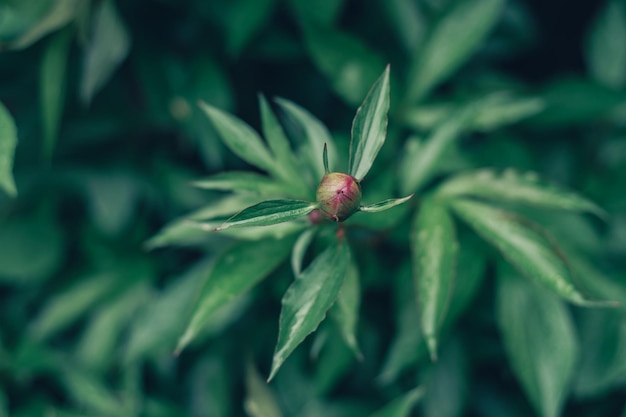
286, 166
299, 250
315, 136
402, 406
260, 401
346, 311
8, 142
269, 212
605, 53
106, 49
385, 205
239, 137
434, 259
513, 187
524, 247
52, 78
369, 127
450, 43
540, 342
309, 297
420, 163
243, 181
60, 14
235, 271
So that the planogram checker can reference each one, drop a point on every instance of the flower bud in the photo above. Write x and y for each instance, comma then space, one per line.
339, 195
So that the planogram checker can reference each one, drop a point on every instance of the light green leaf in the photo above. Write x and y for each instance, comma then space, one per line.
604, 49
402, 406
52, 78
316, 135
345, 312
451, 41
539, 339
513, 187
369, 127
106, 49
526, 248
309, 297
286, 166
350, 64
434, 251
8, 142
235, 271
63, 309
420, 162
299, 250
385, 205
243, 181
269, 212
60, 14
260, 401
240, 138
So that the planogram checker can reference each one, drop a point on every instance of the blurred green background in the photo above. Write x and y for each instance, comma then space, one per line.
103, 95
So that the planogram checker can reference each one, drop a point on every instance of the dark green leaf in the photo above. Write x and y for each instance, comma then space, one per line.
235, 271
269, 212
369, 127
450, 43
350, 65
513, 187
322, 12
446, 383
346, 311
420, 163
299, 250
385, 205
52, 78
260, 400
434, 259
539, 339
106, 49
309, 297
402, 406
605, 53
243, 19
523, 246
240, 138
60, 14
8, 142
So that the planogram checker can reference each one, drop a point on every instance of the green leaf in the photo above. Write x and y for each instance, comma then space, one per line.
240, 138
434, 259
350, 64
420, 163
316, 135
8, 142
286, 165
269, 212
513, 187
309, 297
243, 181
60, 14
446, 383
90, 393
242, 20
451, 41
52, 78
604, 51
345, 312
369, 127
299, 250
385, 205
539, 339
402, 406
321, 13
106, 49
260, 401
526, 248
235, 271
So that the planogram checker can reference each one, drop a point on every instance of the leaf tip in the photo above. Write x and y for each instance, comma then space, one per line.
431, 341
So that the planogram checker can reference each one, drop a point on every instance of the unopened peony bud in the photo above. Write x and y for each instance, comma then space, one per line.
339, 195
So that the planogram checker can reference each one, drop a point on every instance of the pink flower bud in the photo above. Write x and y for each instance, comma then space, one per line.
339, 195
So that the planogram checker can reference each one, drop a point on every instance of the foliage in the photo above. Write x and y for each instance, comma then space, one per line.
165, 249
